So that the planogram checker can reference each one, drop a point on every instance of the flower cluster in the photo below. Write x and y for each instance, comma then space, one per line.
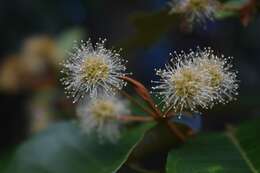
94, 72
91, 70
223, 80
195, 11
101, 116
191, 81
198, 79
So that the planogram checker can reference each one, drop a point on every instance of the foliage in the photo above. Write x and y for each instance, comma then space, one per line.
63, 148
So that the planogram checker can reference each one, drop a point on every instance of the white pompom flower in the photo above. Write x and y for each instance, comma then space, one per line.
223, 80
93, 69
182, 85
198, 79
101, 116
195, 11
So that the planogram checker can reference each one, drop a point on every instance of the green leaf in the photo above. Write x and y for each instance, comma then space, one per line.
247, 137
234, 151
5, 158
149, 155
208, 153
63, 148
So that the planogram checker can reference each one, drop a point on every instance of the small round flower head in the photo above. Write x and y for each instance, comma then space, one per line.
100, 116
223, 80
195, 11
92, 69
183, 86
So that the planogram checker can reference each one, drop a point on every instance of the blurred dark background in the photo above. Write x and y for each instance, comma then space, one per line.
35, 35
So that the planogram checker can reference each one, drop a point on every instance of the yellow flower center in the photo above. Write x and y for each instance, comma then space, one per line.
95, 69
185, 83
216, 76
103, 109
197, 4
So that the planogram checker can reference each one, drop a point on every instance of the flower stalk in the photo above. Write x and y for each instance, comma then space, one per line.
143, 92
134, 118
157, 114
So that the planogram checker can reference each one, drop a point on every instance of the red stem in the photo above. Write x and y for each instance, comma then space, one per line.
138, 104
157, 114
143, 93
135, 118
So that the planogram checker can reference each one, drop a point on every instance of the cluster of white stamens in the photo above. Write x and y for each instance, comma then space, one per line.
92, 70
196, 80
223, 80
195, 11
101, 116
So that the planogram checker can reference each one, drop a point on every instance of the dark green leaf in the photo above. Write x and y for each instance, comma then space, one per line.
63, 148
5, 159
234, 151
150, 154
249, 142
208, 153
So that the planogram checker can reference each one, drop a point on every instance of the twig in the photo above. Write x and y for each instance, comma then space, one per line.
157, 114
148, 111
175, 131
134, 118
144, 93
166, 113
